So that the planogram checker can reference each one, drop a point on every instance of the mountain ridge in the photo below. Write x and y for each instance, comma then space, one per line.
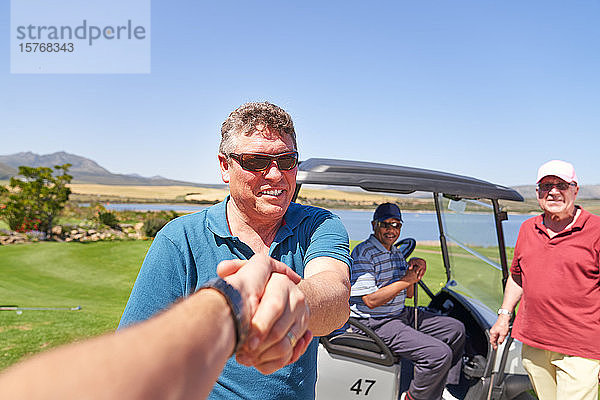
85, 170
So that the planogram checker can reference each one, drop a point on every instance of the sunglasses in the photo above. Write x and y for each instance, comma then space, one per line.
257, 162
387, 225
562, 186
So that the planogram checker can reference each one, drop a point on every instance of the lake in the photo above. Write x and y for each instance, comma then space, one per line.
419, 225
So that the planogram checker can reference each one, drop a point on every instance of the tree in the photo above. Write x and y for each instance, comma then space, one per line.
35, 198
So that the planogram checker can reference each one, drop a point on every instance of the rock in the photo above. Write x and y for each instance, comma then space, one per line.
70, 234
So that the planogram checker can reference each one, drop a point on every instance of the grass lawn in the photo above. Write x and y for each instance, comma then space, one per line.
97, 276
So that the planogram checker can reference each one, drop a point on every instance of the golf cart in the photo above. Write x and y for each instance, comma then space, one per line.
355, 363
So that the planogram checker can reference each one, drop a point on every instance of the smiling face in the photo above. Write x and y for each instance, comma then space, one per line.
558, 203
387, 236
261, 197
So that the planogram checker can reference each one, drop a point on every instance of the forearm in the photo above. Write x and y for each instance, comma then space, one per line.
327, 294
512, 294
385, 294
176, 355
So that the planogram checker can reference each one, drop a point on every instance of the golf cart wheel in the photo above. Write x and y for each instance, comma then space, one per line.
478, 391
524, 396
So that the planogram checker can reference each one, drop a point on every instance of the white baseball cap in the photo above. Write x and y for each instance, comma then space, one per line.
561, 169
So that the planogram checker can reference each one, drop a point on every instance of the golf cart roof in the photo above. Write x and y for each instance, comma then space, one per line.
375, 177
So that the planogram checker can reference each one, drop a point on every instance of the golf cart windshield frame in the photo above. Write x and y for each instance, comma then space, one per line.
385, 178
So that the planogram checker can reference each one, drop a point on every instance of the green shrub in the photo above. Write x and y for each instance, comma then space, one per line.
152, 225
35, 198
108, 218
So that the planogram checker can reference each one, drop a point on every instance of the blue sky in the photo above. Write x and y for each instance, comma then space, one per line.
490, 89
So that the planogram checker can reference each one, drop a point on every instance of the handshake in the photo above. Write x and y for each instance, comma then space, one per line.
276, 308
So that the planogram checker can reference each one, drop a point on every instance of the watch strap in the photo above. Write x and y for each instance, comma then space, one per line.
236, 305
504, 311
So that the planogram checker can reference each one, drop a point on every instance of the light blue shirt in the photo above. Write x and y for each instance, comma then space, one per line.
374, 267
185, 254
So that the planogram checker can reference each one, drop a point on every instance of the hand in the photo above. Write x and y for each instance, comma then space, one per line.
282, 309
420, 265
499, 331
416, 270
250, 277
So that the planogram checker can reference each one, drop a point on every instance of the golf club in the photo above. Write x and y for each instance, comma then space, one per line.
416, 304
17, 308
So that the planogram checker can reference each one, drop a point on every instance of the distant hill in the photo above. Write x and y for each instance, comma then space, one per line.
586, 192
6, 171
84, 170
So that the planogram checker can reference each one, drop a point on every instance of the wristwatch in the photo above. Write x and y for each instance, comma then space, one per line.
236, 305
504, 311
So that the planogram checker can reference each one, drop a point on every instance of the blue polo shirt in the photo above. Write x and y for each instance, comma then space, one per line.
185, 254
374, 267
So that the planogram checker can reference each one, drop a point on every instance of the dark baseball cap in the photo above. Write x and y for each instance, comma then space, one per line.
387, 210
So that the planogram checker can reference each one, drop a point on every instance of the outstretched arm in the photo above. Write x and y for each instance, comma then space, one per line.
327, 290
178, 354
319, 301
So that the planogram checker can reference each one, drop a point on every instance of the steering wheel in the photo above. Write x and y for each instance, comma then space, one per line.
406, 246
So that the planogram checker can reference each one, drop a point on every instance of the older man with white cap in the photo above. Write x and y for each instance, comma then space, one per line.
555, 274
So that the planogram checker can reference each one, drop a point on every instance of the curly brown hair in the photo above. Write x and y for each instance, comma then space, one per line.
247, 116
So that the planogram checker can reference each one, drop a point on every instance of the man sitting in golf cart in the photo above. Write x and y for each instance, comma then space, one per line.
381, 280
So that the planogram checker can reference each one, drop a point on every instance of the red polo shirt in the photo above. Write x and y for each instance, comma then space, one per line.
560, 307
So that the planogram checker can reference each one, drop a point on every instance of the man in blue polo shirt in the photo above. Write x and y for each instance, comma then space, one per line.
381, 281
258, 159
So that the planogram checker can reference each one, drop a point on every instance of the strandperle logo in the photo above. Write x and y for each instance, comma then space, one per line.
85, 31
80, 37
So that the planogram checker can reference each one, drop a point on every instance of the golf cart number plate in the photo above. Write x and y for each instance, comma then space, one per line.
359, 387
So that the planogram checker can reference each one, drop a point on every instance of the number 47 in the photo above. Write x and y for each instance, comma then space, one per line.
357, 386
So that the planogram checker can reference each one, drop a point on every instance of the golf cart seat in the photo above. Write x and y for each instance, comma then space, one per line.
353, 363
366, 345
